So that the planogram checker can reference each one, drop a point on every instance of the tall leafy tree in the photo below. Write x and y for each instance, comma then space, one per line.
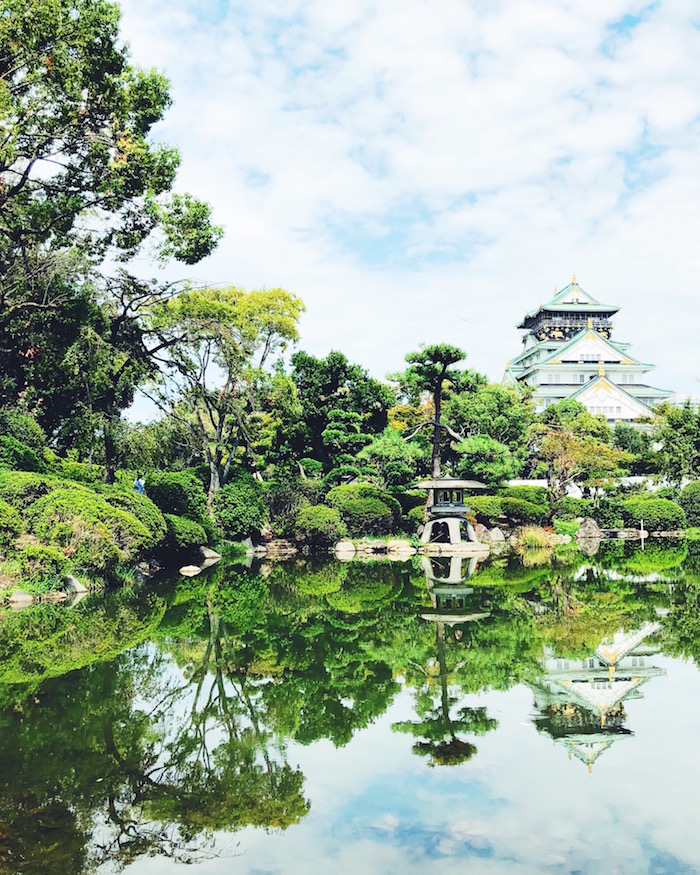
81, 180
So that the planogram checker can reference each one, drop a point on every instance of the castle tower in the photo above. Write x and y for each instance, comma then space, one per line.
568, 352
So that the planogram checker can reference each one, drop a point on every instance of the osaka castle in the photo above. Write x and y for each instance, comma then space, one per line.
568, 352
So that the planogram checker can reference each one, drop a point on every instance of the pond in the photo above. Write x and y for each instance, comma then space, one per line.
523, 714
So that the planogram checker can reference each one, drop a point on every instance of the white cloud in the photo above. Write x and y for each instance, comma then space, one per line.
404, 166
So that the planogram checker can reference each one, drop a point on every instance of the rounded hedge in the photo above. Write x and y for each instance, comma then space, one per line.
40, 564
534, 494
177, 492
22, 488
486, 509
416, 516
239, 507
319, 524
183, 533
689, 500
569, 508
142, 508
659, 514
18, 456
365, 509
10, 525
91, 531
518, 511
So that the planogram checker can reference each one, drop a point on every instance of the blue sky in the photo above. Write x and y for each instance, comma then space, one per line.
423, 172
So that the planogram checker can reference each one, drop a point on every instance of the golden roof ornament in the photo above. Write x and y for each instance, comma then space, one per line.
589, 322
601, 369
573, 280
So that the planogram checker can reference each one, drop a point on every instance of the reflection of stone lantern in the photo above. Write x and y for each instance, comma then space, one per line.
452, 601
448, 527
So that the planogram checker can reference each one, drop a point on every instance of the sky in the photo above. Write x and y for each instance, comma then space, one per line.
426, 172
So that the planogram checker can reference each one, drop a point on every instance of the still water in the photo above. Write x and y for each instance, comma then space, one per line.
531, 714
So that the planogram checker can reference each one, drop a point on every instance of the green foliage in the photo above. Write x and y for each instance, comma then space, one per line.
485, 458
80, 472
568, 508
498, 412
486, 508
183, 533
689, 500
21, 425
42, 566
659, 514
566, 527
319, 524
534, 494
678, 434
365, 509
239, 508
390, 460
312, 467
141, 507
92, 532
518, 511
18, 456
10, 525
609, 513
416, 516
22, 488
177, 492
638, 444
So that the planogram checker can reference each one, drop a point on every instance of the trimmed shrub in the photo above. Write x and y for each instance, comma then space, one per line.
319, 524
88, 529
18, 456
239, 507
568, 508
10, 524
566, 527
690, 502
183, 533
415, 516
80, 472
367, 516
141, 507
410, 500
40, 564
519, 511
177, 492
312, 468
486, 509
22, 488
659, 514
609, 513
533, 494
18, 424
342, 495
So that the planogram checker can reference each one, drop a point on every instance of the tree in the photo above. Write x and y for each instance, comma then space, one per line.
678, 433
429, 371
331, 391
80, 180
487, 459
499, 412
215, 344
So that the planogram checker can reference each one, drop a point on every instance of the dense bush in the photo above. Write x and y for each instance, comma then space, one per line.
415, 517
177, 492
183, 533
609, 513
569, 508
39, 564
80, 472
533, 494
312, 468
18, 424
18, 456
410, 500
10, 524
365, 509
141, 507
23, 488
319, 524
689, 500
92, 532
518, 511
659, 514
285, 495
239, 507
486, 508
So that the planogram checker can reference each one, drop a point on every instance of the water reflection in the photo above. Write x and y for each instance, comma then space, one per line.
148, 724
581, 701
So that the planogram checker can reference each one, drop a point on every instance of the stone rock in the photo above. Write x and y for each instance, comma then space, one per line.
208, 553
344, 550
190, 570
589, 546
589, 529
207, 563
401, 548
513, 540
561, 539
55, 597
496, 534
72, 584
482, 533
19, 598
